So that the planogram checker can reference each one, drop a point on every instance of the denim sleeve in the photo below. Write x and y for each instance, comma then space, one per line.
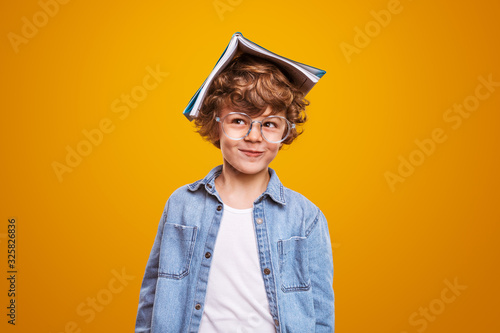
321, 273
148, 288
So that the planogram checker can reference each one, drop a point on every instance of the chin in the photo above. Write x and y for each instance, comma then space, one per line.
249, 168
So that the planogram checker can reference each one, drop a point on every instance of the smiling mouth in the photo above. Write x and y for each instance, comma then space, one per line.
251, 152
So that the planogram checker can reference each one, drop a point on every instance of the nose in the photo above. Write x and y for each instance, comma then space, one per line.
254, 135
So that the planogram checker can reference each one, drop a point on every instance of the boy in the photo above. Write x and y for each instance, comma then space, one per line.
237, 251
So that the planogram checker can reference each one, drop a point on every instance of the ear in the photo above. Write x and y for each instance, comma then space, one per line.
218, 132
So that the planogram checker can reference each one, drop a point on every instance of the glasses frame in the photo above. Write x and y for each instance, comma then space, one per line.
290, 126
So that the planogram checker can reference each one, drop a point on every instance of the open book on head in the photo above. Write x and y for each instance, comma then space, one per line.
304, 76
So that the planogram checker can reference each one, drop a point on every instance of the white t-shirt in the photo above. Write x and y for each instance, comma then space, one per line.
236, 300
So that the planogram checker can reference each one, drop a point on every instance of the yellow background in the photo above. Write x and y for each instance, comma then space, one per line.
393, 247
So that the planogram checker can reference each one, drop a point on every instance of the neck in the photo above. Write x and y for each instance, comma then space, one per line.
234, 185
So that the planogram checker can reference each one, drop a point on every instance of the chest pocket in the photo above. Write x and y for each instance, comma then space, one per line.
294, 264
177, 245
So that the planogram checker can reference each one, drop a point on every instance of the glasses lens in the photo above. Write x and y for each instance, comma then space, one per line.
275, 129
236, 125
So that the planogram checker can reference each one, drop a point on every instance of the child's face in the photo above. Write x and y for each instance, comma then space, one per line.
252, 154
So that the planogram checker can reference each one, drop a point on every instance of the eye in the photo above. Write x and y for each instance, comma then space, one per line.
271, 124
238, 121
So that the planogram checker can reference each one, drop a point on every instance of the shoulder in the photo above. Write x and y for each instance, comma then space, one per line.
182, 201
300, 205
184, 193
193, 192
295, 198
304, 209
290, 200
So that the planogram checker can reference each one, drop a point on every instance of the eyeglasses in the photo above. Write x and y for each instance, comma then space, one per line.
237, 126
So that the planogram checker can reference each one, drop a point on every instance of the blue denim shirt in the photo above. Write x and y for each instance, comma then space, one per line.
294, 250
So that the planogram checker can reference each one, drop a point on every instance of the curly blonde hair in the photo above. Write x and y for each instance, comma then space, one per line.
250, 84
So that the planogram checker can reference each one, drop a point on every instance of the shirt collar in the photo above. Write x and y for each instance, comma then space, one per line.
274, 188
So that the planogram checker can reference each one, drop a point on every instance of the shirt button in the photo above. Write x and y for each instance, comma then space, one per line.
267, 271
259, 220
209, 186
208, 255
197, 306
219, 208
276, 322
